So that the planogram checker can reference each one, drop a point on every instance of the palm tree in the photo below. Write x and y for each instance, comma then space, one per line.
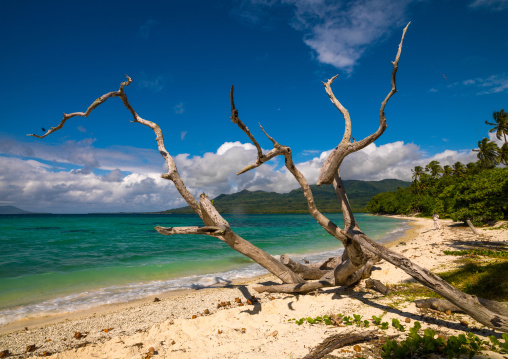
434, 168
417, 174
488, 153
503, 154
447, 170
500, 124
458, 168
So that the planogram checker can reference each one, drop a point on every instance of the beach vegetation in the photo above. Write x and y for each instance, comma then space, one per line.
475, 191
478, 196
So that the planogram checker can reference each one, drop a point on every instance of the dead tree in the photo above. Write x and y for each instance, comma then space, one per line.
360, 252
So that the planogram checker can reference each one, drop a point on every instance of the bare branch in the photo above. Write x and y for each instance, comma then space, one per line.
94, 105
172, 171
235, 119
345, 147
347, 212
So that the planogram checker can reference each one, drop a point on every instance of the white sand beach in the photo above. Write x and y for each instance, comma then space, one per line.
165, 328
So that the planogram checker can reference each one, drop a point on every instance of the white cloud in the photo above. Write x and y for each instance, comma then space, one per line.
493, 84
341, 31
492, 5
133, 182
32, 186
182, 135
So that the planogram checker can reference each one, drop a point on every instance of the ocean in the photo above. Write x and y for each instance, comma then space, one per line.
52, 264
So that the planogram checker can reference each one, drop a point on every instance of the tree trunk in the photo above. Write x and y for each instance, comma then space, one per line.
473, 229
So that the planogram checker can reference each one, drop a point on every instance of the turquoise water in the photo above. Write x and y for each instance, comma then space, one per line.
58, 263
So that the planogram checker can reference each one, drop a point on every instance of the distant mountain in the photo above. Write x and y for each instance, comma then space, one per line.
12, 210
358, 192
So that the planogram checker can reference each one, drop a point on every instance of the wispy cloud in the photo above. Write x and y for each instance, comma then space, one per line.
155, 83
491, 5
182, 135
339, 32
179, 109
146, 30
82, 129
489, 85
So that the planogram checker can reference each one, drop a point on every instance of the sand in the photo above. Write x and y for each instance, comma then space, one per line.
166, 327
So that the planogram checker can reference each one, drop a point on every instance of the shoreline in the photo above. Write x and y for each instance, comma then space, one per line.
104, 309
233, 331
201, 281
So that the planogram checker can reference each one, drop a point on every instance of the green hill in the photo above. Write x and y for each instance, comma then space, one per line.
359, 194
12, 210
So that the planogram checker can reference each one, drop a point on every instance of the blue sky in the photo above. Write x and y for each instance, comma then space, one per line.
184, 56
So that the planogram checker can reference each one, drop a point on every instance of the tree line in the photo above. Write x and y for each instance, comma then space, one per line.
477, 191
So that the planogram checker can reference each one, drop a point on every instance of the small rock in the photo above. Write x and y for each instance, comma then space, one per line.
272, 298
78, 335
240, 305
151, 351
107, 330
173, 342
194, 316
219, 331
139, 345
223, 304
238, 300
206, 311
449, 312
357, 348
274, 334
156, 299
218, 306
4, 354
46, 354
228, 303
464, 323
408, 320
243, 330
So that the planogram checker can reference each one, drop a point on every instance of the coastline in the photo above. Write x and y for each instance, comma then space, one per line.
245, 331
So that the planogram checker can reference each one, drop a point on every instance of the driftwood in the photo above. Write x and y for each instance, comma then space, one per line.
338, 341
443, 305
472, 227
360, 252
377, 286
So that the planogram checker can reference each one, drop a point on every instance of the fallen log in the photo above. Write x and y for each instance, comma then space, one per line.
338, 341
377, 286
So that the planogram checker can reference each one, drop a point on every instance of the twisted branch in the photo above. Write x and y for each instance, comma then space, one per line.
345, 147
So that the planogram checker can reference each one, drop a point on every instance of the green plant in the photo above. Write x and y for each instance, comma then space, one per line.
324, 319
503, 347
416, 345
396, 324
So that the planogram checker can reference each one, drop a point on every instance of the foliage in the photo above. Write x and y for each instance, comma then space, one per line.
477, 252
474, 191
416, 345
479, 197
